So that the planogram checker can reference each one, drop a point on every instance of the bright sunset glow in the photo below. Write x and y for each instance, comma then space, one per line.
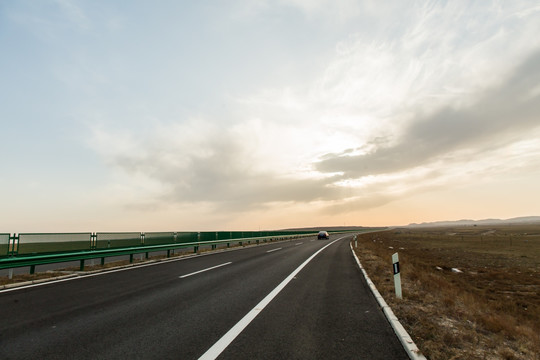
225, 115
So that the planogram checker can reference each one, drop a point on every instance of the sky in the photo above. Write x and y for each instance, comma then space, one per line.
248, 115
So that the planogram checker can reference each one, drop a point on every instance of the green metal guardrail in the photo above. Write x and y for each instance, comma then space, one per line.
4, 245
40, 243
118, 240
48, 243
84, 246
31, 249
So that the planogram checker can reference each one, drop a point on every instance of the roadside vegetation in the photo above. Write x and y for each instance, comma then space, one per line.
468, 292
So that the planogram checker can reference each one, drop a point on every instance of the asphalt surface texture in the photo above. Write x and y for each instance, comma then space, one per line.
180, 309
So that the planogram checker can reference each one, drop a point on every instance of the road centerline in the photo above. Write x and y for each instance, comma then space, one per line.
269, 251
229, 337
203, 270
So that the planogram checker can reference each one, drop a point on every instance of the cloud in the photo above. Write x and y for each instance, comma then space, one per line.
500, 116
201, 162
410, 105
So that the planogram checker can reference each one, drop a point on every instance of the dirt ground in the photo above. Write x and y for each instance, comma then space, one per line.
468, 292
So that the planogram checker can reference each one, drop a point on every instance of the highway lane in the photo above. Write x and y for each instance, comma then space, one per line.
327, 312
156, 312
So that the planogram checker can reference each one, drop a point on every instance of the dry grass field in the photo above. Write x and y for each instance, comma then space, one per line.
468, 292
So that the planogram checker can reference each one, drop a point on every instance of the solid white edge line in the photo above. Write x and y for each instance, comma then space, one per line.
228, 338
402, 334
269, 251
203, 270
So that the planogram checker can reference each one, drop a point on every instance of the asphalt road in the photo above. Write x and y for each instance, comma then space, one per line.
186, 308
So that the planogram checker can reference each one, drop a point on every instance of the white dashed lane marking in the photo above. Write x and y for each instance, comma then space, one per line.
203, 270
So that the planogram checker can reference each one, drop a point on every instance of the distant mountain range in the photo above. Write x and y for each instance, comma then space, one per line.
517, 220
464, 222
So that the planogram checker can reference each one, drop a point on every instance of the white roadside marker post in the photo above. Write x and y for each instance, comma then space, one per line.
355, 242
397, 275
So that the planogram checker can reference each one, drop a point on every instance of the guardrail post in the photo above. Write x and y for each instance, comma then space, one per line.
32, 269
130, 258
81, 268
102, 261
13, 245
93, 241
10, 245
168, 252
16, 244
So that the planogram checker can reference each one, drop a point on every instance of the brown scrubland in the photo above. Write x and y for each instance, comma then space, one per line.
470, 292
